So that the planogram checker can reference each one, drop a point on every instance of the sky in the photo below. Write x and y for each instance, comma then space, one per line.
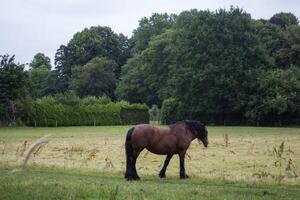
31, 26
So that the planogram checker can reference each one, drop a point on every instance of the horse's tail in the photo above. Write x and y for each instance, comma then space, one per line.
128, 145
128, 149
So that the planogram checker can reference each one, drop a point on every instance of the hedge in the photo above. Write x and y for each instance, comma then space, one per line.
51, 113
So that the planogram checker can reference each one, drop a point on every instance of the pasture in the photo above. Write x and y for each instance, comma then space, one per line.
88, 162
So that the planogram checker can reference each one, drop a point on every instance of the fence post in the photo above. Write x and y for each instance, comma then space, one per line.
56, 123
94, 122
34, 123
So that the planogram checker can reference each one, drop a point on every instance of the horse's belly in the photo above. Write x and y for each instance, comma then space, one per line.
162, 150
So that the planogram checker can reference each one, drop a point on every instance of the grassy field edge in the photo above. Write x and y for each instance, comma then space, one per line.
49, 183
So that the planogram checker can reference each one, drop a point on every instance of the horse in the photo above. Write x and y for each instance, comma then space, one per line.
169, 141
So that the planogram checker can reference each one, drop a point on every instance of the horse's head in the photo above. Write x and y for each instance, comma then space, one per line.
199, 130
203, 136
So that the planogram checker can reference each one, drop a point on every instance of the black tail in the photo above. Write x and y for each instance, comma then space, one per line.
129, 150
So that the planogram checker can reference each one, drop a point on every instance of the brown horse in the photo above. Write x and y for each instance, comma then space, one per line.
175, 139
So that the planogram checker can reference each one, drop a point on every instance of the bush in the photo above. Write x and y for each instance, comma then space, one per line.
154, 113
92, 100
170, 111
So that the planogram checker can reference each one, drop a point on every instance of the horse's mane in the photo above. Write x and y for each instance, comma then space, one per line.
196, 127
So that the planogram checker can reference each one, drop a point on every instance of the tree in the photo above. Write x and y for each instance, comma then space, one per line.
43, 82
289, 53
284, 19
150, 27
40, 60
278, 98
96, 78
219, 57
85, 45
144, 77
14, 99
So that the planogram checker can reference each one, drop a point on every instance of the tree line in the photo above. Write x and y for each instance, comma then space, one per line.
221, 67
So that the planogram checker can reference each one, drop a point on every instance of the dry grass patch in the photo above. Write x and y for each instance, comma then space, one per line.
246, 157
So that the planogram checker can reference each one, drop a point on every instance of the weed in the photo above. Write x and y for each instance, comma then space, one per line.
291, 169
108, 164
226, 139
278, 155
4, 147
262, 174
38, 150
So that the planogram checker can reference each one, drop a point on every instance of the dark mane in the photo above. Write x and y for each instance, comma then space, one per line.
196, 127
171, 126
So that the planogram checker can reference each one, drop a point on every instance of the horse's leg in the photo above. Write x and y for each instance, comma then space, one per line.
162, 173
128, 164
182, 168
134, 172
129, 170
131, 173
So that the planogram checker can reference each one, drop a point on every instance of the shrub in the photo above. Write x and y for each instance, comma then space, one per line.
154, 113
92, 100
170, 111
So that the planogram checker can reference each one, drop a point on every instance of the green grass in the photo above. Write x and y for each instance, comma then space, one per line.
43, 183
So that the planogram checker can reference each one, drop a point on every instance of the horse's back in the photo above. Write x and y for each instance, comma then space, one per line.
155, 139
146, 130
143, 133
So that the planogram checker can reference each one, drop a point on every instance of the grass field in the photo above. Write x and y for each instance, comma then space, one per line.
88, 162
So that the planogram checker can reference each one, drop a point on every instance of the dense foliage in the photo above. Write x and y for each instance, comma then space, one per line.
84, 46
220, 67
14, 98
70, 110
95, 78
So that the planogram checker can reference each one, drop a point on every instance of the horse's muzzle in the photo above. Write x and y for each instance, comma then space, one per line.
205, 143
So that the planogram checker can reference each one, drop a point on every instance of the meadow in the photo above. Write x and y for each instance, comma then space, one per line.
88, 162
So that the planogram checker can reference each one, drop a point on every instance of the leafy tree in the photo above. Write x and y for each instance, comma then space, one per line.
40, 60
85, 45
131, 87
149, 27
96, 78
43, 82
289, 53
284, 19
144, 77
272, 38
213, 64
219, 56
14, 99
278, 98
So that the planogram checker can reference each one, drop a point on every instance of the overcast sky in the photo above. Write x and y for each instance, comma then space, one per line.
31, 26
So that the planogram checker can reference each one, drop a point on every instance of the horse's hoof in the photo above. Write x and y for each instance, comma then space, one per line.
184, 177
162, 175
133, 178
